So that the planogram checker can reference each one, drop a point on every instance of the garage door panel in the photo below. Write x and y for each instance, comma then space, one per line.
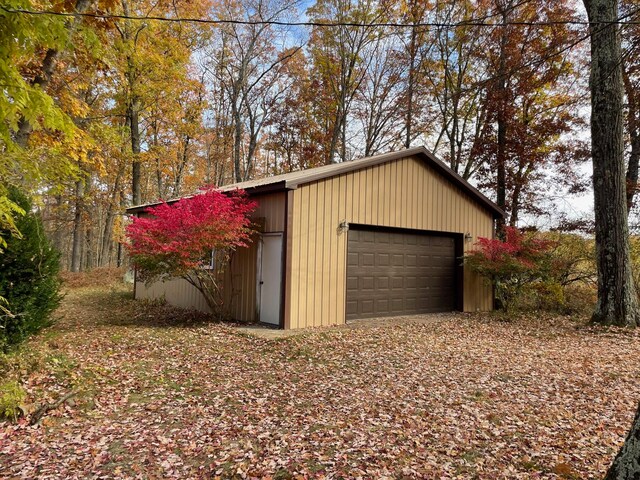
397, 240
367, 259
367, 306
382, 259
366, 283
410, 304
397, 283
352, 307
397, 306
399, 273
382, 237
367, 237
382, 305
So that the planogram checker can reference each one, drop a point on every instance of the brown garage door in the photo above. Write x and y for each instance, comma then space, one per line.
392, 273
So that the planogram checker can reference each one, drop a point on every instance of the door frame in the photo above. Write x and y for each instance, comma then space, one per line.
458, 252
280, 323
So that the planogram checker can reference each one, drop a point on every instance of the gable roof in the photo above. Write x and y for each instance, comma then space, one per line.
289, 181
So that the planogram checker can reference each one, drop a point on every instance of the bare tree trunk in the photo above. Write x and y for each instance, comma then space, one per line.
91, 211
501, 156
89, 257
343, 146
251, 151
136, 171
107, 241
43, 78
119, 257
617, 299
632, 169
237, 141
184, 160
626, 465
120, 253
412, 68
154, 143
335, 135
58, 225
133, 111
78, 230
633, 124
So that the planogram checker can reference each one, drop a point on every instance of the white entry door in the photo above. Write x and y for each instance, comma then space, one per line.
270, 278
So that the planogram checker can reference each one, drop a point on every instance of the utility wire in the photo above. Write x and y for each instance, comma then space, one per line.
329, 24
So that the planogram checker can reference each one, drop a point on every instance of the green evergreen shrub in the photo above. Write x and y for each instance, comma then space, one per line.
29, 280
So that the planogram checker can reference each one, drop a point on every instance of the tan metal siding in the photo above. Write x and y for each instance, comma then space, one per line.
175, 291
244, 264
289, 286
240, 280
271, 208
404, 193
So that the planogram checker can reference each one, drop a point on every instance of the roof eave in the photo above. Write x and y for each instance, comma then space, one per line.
257, 190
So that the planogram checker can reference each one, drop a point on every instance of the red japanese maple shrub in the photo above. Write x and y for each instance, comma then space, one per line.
511, 264
192, 238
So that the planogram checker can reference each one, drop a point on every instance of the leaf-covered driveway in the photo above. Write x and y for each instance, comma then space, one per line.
462, 397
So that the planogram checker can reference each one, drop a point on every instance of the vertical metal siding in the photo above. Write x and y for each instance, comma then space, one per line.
404, 193
289, 254
240, 280
175, 291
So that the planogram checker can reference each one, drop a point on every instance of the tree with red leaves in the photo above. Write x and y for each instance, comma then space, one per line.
510, 264
192, 238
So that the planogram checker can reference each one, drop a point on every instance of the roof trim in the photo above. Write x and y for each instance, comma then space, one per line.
257, 190
281, 182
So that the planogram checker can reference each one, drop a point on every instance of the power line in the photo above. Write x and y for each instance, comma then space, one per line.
329, 24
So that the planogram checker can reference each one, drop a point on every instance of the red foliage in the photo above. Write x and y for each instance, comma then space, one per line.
518, 247
176, 238
512, 263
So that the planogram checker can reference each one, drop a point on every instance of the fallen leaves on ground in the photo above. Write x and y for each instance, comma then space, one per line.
166, 394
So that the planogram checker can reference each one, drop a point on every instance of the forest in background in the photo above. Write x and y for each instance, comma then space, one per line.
118, 107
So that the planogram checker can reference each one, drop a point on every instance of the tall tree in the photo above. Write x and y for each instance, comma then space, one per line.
617, 299
454, 70
412, 12
294, 135
30, 47
340, 64
47, 68
151, 59
246, 60
631, 80
378, 104
531, 103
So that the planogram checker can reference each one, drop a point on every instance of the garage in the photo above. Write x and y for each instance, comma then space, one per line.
374, 237
393, 272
